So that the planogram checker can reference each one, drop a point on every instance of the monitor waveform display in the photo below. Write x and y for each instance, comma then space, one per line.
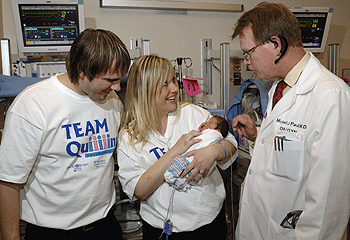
312, 27
49, 25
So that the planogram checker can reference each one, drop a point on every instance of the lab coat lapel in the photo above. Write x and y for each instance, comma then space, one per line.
282, 106
305, 84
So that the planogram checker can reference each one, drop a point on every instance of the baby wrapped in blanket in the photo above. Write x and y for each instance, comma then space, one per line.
213, 131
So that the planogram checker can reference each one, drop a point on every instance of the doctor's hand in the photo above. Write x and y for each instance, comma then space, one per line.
243, 125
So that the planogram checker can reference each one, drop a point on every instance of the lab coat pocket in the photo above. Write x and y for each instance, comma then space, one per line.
276, 232
288, 158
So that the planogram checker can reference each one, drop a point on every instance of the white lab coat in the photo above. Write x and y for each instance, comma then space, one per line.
312, 173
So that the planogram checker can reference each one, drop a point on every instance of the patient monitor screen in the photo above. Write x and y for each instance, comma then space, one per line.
49, 25
312, 28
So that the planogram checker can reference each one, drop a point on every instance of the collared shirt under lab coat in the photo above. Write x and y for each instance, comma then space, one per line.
311, 173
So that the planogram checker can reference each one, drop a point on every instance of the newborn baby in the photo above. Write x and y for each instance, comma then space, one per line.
213, 131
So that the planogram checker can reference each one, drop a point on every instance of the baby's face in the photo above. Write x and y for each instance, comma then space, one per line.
211, 124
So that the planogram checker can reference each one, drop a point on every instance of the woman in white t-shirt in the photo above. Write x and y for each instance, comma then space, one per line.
155, 129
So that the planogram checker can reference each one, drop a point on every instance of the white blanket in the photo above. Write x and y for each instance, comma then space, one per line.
172, 175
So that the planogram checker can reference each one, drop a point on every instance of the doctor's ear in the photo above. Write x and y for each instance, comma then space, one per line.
274, 43
280, 40
274, 40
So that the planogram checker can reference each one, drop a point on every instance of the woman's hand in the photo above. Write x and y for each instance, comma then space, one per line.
202, 161
154, 176
185, 142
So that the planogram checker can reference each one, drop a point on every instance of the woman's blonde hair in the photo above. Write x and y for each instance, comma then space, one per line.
141, 116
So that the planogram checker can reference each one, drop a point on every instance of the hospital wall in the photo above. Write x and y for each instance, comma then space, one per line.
174, 34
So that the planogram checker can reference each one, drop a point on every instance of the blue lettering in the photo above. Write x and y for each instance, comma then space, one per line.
67, 126
90, 145
162, 150
154, 150
85, 147
99, 125
100, 142
89, 128
69, 149
108, 141
113, 142
77, 130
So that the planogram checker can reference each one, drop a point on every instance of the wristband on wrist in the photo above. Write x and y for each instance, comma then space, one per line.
224, 149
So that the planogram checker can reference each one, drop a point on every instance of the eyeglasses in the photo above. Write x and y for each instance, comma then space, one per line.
248, 54
290, 221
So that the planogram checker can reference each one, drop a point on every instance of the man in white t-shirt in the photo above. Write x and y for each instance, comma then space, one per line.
56, 164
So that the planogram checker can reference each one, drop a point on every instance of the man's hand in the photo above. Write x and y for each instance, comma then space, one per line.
243, 125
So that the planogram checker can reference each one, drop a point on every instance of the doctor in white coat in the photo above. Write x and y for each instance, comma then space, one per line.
298, 182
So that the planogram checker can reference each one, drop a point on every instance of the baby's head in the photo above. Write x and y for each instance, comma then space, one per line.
218, 123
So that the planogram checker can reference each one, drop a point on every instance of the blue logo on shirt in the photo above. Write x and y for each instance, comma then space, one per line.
98, 144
